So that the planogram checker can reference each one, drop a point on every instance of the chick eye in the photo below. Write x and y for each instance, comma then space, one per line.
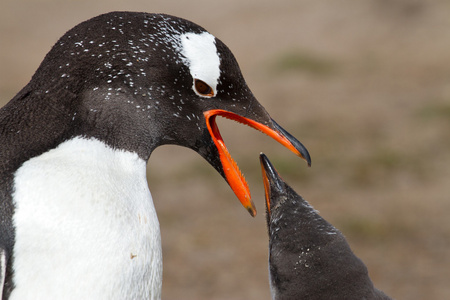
202, 88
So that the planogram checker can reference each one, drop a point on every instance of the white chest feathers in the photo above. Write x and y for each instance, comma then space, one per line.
86, 227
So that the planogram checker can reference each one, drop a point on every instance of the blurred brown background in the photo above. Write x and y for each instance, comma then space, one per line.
365, 85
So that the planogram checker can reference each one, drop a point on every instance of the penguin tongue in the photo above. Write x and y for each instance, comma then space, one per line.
232, 173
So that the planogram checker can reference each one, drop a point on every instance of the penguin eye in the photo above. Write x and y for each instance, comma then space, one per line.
203, 89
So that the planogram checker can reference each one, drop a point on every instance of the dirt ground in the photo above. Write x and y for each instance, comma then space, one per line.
365, 85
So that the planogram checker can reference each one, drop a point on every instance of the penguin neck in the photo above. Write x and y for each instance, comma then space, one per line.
35, 122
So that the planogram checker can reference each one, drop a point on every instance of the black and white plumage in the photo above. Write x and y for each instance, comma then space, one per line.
308, 257
77, 218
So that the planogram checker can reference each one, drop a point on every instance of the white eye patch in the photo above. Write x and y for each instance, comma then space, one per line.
200, 53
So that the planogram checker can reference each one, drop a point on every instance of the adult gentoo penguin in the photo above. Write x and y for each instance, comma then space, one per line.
77, 218
308, 257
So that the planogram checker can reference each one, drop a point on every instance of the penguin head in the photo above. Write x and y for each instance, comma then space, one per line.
138, 81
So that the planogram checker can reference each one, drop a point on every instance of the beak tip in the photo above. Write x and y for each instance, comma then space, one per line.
294, 145
304, 154
252, 211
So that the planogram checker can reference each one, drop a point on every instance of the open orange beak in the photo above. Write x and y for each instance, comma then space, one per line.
232, 173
